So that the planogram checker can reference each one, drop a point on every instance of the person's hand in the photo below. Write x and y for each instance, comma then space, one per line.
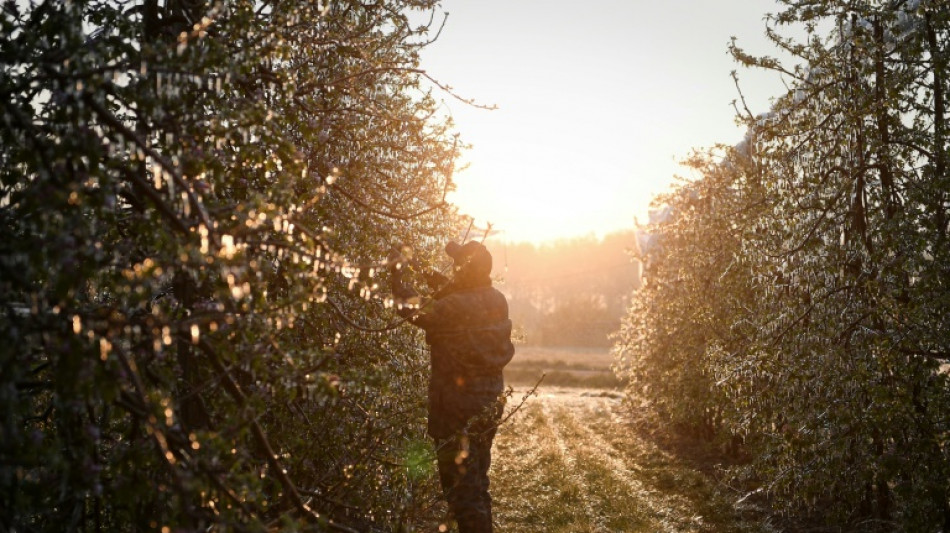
395, 262
435, 279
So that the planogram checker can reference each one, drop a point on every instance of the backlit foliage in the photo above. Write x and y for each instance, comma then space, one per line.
797, 298
197, 201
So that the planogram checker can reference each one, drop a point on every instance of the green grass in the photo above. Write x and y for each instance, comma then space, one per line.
571, 462
574, 461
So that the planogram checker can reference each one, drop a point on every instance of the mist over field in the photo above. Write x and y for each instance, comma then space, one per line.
570, 292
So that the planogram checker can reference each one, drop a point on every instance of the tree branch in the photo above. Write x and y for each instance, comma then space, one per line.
238, 395
166, 165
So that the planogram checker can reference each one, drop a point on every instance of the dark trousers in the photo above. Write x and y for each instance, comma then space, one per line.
464, 460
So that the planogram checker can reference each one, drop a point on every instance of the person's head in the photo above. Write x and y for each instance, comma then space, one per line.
472, 263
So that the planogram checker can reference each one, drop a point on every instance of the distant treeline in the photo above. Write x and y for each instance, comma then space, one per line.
571, 292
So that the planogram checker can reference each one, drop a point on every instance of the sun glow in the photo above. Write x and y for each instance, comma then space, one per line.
539, 200
596, 104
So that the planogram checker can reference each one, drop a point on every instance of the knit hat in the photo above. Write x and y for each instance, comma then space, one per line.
472, 260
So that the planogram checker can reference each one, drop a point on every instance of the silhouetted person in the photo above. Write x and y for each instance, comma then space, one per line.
469, 333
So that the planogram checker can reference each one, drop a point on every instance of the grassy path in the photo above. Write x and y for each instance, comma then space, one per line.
569, 464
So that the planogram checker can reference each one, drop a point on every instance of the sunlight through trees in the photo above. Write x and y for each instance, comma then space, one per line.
796, 302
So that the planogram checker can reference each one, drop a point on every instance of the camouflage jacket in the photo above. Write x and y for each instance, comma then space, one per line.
469, 333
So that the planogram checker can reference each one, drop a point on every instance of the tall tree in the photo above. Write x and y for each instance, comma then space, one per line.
198, 199
835, 373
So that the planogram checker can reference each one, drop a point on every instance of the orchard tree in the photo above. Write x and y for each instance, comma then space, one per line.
835, 379
854, 156
688, 318
198, 199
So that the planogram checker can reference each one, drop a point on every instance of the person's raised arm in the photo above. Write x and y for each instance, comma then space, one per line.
409, 303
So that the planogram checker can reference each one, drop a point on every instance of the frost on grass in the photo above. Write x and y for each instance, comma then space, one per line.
572, 463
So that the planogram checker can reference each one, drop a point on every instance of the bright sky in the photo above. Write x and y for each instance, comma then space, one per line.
598, 100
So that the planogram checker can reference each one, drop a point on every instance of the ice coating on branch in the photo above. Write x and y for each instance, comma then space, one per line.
644, 242
905, 22
660, 215
647, 242
765, 119
908, 21
744, 147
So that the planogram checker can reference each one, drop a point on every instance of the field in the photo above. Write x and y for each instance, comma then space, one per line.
572, 461
577, 459
562, 366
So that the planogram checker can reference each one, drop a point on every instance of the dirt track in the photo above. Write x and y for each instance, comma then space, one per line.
569, 462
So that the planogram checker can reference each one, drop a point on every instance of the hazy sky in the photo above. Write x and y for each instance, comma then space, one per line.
598, 100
